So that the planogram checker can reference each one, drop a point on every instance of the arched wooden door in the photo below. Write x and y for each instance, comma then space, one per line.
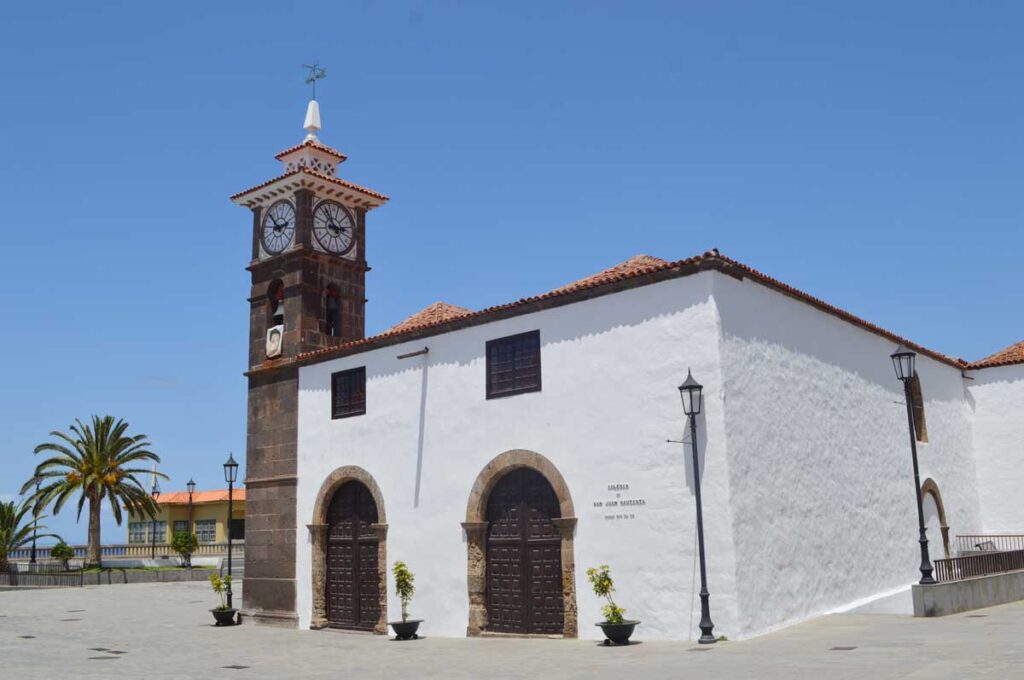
524, 556
353, 583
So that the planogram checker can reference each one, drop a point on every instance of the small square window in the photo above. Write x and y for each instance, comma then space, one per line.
513, 365
348, 393
159, 530
137, 532
206, 530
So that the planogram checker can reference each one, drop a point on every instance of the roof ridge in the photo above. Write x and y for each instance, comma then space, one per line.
316, 143
1014, 354
314, 173
433, 313
709, 260
631, 265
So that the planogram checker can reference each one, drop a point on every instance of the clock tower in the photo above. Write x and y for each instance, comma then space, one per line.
308, 267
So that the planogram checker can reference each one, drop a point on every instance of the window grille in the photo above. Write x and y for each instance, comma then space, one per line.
513, 365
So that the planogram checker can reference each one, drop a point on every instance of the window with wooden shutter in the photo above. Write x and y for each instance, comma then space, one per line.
513, 365
348, 393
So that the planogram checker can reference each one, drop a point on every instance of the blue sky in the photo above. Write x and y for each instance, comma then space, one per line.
871, 154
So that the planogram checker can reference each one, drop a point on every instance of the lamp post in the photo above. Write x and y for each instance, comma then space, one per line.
903, 362
690, 392
230, 475
155, 491
32, 559
191, 486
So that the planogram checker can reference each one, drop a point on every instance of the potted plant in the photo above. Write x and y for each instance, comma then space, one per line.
406, 628
615, 627
225, 615
63, 552
184, 543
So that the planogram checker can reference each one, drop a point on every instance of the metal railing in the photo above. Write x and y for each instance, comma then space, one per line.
989, 542
43, 574
45, 566
980, 564
136, 550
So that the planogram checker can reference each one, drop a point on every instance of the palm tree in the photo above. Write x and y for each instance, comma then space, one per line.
99, 461
14, 534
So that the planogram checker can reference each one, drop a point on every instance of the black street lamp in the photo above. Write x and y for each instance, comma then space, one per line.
690, 392
32, 559
230, 475
903, 362
155, 491
191, 489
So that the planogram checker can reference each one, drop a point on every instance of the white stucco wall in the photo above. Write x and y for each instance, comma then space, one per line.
998, 397
609, 401
808, 483
820, 469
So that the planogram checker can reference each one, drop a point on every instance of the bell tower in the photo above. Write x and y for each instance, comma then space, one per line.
308, 269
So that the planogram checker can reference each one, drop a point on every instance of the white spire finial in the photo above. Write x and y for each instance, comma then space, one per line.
312, 124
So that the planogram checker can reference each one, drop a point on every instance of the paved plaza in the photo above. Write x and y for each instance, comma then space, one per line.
163, 631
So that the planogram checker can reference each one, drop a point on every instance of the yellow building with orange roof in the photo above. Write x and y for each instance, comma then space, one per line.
208, 521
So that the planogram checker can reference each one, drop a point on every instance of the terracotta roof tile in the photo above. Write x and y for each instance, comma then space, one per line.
435, 313
219, 496
642, 272
635, 264
317, 144
1014, 354
312, 173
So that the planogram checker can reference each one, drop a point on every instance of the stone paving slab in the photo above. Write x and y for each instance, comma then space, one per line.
164, 631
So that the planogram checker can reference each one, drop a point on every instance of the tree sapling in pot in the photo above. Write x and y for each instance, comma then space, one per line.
615, 627
224, 615
404, 588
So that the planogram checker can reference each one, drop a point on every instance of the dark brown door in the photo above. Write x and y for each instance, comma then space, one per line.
524, 556
353, 584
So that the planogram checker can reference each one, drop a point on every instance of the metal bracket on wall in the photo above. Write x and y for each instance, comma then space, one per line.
425, 350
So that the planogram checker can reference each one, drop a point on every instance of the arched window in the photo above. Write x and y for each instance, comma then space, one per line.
920, 427
275, 304
332, 312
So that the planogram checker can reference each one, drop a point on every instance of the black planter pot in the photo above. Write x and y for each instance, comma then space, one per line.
225, 617
406, 630
619, 633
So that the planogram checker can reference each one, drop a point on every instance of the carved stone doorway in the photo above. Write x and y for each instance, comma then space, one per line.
349, 553
520, 524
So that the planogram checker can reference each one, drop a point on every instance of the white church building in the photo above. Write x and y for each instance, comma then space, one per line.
502, 452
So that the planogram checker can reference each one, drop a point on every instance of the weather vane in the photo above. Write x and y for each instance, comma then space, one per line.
316, 72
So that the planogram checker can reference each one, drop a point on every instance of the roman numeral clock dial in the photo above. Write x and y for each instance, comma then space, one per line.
333, 227
278, 227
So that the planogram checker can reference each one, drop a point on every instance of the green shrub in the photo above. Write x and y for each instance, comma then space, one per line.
404, 586
63, 552
184, 543
601, 580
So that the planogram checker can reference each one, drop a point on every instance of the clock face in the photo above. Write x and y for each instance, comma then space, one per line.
278, 227
334, 227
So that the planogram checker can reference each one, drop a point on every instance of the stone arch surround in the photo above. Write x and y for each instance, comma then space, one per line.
318, 533
929, 486
476, 535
